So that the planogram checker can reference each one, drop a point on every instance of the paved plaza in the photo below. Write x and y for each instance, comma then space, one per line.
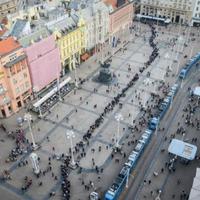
82, 107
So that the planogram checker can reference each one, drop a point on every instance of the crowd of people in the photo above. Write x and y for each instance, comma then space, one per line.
65, 185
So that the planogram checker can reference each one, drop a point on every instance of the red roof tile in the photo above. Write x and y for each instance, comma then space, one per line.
8, 45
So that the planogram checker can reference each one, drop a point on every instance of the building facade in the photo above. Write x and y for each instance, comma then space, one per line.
7, 7
179, 11
121, 13
96, 17
196, 14
43, 58
69, 33
15, 82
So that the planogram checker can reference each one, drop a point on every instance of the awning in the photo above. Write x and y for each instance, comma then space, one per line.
182, 149
85, 56
196, 91
51, 93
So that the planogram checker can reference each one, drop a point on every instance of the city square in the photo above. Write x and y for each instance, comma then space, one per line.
77, 112
99, 99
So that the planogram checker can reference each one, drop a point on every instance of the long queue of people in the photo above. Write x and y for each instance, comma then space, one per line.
116, 99
65, 185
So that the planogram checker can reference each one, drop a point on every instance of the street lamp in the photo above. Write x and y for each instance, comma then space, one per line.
144, 101
75, 72
178, 65
58, 87
188, 35
180, 39
70, 135
35, 89
118, 118
158, 197
127, 179
35, 163
167, 57
28, 118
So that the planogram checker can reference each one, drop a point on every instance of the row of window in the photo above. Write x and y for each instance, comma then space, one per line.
22, 88
17, 68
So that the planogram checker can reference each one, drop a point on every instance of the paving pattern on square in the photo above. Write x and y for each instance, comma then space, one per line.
63, 117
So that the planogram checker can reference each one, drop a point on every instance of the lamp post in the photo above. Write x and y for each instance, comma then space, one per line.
191, 52
178, 65
171, 101
58, 87
118, 118
179, 47
70, 135
28, 118
188, 35
75, 72
35, 89
167, 57
35, 163
127, 179
144, 101
158, 197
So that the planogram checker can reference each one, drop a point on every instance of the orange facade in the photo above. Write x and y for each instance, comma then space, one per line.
15, 83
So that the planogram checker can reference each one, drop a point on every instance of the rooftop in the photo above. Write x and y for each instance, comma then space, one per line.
116, 3
4, 1
8, 45
18, 27
36, 36
64, 24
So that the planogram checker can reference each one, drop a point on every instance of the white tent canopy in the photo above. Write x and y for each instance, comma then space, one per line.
196, 91
182, 149
51, 93
195, 191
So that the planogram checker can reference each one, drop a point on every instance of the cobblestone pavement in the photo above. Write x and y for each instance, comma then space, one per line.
79, 108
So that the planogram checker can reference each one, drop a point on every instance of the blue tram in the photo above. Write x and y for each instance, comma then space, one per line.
117, 187
193, 61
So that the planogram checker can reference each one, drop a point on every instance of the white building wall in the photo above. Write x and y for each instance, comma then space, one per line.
97, 24
179, 11
196, 13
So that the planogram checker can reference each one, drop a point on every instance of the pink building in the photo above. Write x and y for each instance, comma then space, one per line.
121, 18
43, 58
15, 82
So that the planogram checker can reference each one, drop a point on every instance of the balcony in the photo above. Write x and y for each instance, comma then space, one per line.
2, 90
5, 101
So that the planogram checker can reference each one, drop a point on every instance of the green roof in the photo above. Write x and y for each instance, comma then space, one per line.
36, 36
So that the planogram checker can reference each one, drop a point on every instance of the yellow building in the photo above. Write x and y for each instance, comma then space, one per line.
69, 34
7, 7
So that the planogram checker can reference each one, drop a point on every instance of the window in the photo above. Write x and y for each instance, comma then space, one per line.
22, 87
27, 84
14, 81
18, 67
25, 75
17, 90
12, 70
1, 88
